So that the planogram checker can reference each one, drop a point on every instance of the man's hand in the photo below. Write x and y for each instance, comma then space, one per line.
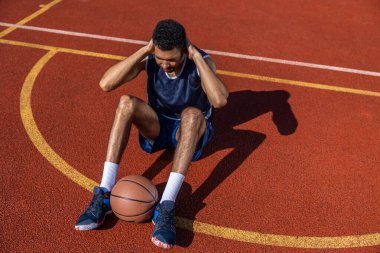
191, 50
127, 69
214, 88
150, 47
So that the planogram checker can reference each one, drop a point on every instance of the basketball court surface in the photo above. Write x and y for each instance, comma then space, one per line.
294, 163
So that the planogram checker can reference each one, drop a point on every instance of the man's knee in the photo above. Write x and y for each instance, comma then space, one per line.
127, 104
192, 115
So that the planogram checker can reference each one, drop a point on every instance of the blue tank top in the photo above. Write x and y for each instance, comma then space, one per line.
169, 96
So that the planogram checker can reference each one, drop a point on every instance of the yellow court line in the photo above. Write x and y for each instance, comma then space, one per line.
305, 242
36, 136
184, 223
27, 44
43, 9
62, 49
300, 83
94, 54
220, 72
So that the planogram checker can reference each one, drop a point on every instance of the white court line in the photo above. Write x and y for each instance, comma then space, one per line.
227, 54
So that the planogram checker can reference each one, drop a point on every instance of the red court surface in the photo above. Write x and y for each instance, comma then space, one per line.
293, 165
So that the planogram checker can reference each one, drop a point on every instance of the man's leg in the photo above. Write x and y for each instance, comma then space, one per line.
130, 110
192, 128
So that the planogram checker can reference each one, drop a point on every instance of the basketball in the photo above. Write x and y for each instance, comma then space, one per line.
133, 198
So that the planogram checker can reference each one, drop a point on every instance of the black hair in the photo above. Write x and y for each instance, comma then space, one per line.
169, 34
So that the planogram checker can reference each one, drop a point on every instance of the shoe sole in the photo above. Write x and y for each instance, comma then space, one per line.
91, 226
88, 226
160, 244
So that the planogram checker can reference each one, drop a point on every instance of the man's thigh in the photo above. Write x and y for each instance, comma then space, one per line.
146, 119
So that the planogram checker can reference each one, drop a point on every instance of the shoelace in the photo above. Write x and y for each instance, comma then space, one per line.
95, 202
166, 220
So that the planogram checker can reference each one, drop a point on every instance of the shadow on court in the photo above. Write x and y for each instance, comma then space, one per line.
242, 107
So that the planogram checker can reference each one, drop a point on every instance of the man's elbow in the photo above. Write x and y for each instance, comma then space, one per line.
105, 86
221, 100
219, 103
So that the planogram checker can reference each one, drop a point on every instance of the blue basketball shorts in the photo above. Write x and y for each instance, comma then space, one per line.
166, 138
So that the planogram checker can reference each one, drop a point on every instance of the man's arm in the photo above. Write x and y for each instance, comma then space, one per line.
126, 70
214, 88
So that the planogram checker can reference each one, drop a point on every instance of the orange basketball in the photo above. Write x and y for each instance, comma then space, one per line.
133, 198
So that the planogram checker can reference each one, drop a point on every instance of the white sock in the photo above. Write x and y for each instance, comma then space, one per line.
173, 186
109, 175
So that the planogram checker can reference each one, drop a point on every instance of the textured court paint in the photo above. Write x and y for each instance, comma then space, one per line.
191, 225
220, 72
214, 52
36, 136
30, 17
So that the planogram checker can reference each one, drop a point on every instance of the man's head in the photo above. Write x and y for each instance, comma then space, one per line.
169, 39
169, 34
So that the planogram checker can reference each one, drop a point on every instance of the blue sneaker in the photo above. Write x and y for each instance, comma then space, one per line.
94, 215
164, 229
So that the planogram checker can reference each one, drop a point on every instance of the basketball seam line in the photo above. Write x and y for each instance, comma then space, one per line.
141, 186
134, 214
126, 198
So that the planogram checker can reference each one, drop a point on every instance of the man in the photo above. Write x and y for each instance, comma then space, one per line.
182, 91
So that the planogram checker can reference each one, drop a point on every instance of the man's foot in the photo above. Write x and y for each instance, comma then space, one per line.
94, 215
164, 229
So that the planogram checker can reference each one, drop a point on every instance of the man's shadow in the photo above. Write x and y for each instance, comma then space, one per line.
242, 107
